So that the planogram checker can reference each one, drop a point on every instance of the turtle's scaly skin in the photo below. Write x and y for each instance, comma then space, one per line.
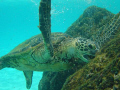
106, 32
45, 25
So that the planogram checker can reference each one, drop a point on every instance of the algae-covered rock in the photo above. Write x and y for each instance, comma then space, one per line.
55, 80
87, 24
102, 71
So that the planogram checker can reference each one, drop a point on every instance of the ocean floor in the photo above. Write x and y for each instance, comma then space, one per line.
12, 79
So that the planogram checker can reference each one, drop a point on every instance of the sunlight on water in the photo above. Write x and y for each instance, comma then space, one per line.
88, 1
35, 2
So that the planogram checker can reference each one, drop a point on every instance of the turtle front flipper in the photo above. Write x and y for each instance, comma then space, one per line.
45, 24
28, 76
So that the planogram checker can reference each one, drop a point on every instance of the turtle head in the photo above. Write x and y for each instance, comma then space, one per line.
85, 47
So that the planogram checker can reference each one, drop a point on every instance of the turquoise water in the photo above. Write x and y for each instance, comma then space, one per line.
19, 21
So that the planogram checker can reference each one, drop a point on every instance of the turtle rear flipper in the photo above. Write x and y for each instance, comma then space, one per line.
45, 24
1, 65
4, 62
28, 75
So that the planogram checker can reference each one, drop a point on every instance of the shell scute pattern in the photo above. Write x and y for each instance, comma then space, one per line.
38, 39
32, 42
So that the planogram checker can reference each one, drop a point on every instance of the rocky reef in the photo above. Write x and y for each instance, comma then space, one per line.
102, 72
87, 24
54, 80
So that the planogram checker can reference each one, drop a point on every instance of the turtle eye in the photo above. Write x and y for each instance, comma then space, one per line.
90, 46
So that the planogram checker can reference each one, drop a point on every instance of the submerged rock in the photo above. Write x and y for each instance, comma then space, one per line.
54, 80
103, 72
87, 24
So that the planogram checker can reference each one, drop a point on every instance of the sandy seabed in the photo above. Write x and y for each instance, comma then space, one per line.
12, 79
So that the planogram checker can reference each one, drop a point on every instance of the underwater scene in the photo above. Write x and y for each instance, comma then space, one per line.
59, 44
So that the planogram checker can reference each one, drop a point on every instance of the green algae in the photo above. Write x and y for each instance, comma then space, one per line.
102, 73
87, 24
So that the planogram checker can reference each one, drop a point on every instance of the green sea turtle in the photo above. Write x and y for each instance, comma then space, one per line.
47, 52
